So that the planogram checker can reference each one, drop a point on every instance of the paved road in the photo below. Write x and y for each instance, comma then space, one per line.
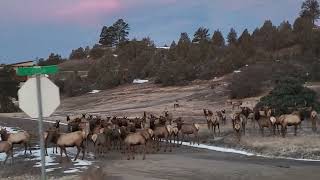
190, 163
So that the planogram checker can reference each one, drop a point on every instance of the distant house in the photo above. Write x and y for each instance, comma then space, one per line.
15, 66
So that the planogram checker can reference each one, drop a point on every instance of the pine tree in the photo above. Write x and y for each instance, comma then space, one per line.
121, 29
201, 35
310, 9
218, 39
232, 37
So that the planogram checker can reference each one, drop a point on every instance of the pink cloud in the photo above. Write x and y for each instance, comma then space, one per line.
58, 11
88, 10
84, 12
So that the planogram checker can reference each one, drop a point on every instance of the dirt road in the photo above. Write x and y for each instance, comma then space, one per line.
183, 163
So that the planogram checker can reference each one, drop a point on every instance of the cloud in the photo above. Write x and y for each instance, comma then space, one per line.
70, 11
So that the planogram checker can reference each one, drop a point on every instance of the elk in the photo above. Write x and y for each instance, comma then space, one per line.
176, 105
313, 116
6, 147
168, 117
213, 122
187, 129
149, 135
73, 125
236, 104
69, 140
265, 122
100, 143
133, 140
222, 116
162, 132
293, 119
240, 119
22, 137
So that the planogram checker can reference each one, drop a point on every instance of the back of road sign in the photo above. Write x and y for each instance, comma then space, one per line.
28, 101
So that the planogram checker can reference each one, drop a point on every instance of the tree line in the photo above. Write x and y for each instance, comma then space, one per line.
202, 56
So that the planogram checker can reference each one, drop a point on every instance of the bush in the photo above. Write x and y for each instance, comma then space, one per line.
288, 95
254, 79
105, 73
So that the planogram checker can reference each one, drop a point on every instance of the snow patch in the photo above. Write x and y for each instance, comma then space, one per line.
218, 149
140, 81
235, 151
94, 91
72, 170
237, 71
164, 47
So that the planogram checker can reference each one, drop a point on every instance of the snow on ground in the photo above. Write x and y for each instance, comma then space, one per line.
235, 151
94, 91
51, 161
140, 81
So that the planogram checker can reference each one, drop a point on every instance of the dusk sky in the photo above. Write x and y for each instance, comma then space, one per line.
35, 28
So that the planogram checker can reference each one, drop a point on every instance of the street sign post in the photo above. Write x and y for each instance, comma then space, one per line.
39, 98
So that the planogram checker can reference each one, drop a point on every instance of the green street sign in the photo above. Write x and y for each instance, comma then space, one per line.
29, 71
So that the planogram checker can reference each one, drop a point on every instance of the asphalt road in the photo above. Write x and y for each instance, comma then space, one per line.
183, 163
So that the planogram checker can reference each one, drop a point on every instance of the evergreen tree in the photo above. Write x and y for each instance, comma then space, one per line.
173, 45
78, 54
201, 35
232, 37
115, 34
8, 89
183, 46
310, 9
218, 39
121, 29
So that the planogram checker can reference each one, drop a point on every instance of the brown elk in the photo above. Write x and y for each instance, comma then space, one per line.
100, 143
313, 116
73, 125
213, 122
22, 137
239, 118
265, 122
222, 116
293, 119
187, 129
236, 104
133, 140
162, 132
6, 147
149, 135
176, 105
168, 116
69, 140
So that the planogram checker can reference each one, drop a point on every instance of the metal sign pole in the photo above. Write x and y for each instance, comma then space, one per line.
43, 165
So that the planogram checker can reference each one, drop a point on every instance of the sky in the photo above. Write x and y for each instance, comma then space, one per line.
31, 29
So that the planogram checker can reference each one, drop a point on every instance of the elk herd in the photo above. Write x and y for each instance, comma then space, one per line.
265, 118
149, 133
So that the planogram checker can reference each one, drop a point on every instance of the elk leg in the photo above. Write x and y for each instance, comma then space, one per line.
167, 141
295, 129
78, 152
182, 139
65, 152
11, 151
7, 155
133, 151
219, 128
61, 154
45, 147
25, 149
144, 151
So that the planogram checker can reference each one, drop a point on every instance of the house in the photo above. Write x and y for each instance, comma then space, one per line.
15, 66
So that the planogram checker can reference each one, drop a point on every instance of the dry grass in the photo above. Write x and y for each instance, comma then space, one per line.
76, 65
